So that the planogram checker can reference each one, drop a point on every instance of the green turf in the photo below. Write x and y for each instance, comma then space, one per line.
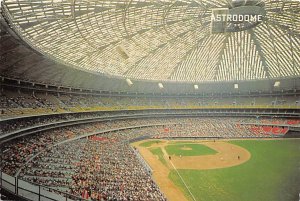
272, 174
150, 143
196, 150
158, 152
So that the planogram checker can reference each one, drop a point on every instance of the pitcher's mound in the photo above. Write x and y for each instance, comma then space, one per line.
228, 155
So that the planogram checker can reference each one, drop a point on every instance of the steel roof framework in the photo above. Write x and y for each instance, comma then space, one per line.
163, 40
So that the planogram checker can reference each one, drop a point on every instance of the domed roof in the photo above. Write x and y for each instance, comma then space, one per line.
179, 40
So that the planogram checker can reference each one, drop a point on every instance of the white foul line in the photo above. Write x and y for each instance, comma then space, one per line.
182, 180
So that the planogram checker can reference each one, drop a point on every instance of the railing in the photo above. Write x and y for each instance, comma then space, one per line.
32, 191
142, 161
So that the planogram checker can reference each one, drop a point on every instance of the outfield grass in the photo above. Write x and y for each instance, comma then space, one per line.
272, 174
149, 143
196, 150
158, 152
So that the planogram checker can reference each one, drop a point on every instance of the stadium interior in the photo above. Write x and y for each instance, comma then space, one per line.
81, 80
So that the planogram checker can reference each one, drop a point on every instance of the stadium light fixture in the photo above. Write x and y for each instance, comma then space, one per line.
129, 82
277, 84
160, 85
196, 87
236, 86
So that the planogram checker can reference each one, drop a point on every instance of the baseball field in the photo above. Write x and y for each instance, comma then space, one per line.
231, 170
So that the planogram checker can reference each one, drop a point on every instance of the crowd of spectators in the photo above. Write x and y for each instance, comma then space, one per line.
271, 121
65, 101
210, 128
105, 165
24, 102
107, 168
68, 102
20, 101
13, 100
22, 123
16, 152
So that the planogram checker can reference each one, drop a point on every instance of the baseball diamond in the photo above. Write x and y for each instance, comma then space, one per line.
239, 170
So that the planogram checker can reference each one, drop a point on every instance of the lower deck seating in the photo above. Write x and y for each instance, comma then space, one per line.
269, 130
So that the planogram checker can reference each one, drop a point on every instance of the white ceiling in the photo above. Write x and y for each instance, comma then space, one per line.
160, 40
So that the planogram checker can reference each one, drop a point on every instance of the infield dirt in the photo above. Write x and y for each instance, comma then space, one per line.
227, 155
